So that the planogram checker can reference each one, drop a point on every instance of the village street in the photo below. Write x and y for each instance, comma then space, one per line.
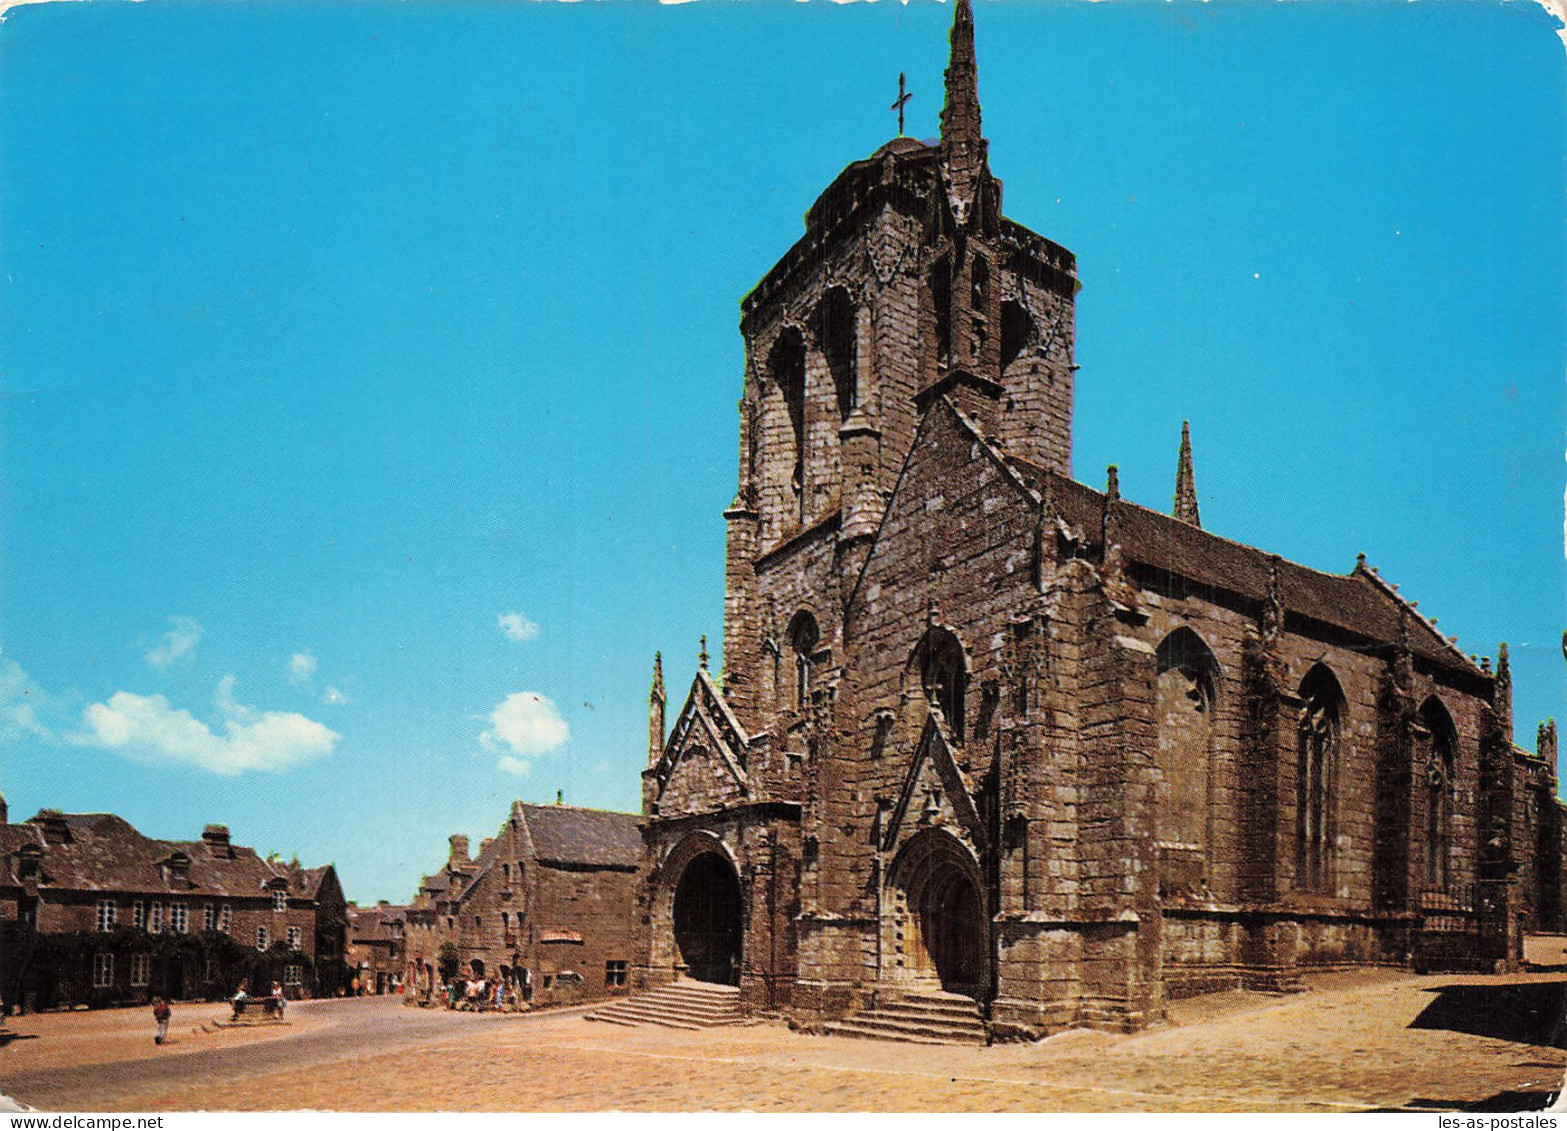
1355, 1042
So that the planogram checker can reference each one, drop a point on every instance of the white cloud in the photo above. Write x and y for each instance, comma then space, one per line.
178, 642
301, 667
334, 697
529, 725
518, 627
146, 728
22, 702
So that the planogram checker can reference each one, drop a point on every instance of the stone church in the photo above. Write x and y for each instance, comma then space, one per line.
984, 730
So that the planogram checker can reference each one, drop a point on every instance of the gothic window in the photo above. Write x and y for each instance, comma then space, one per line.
1440, 746
1187, 686
1318, 738
788, 371
804, 636
1018, 331
835, 326
941, 300
942, 670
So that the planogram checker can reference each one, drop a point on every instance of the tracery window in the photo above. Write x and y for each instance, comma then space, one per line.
1440, 744
804, 636
1318, 738
941, 669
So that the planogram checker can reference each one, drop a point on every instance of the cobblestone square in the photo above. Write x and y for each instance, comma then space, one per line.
1354, 1042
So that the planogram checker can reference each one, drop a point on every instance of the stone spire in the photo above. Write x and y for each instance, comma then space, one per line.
962, 147
655, 713
1186, 481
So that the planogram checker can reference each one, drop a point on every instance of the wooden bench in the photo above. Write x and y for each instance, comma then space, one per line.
267, 1006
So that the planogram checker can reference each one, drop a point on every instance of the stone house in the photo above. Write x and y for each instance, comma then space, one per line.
94, 912
545, 905
377, 946
984, 729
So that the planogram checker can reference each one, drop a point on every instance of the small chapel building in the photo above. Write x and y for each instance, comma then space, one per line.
985, 729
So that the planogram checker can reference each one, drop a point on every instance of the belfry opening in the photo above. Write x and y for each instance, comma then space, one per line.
707, 920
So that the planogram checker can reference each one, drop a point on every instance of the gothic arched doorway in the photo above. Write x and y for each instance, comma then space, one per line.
940, 923
707, 919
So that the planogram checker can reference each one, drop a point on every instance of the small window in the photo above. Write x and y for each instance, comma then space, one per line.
139, 914
296, 938
155, 921
261, 938
141, 969
506, 873
107, 913
478, 923
280, 901
209, 918
615, 972
179, 918
226, 920
102, 970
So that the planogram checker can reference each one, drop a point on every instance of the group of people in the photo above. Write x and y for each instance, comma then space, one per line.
481, 995
162, 1013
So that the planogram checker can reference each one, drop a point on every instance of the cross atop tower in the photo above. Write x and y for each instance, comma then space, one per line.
901, 101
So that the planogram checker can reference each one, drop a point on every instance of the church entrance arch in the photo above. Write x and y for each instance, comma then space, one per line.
707, 917
940, 921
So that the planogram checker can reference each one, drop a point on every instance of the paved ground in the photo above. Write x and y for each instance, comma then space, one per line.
1356, 1042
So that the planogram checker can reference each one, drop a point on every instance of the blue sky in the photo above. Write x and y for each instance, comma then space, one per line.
369, 370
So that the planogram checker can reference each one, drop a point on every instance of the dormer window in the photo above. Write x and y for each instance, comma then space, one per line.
176, 869
27, 863
280, 900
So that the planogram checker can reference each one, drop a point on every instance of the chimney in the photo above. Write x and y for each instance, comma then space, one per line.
55, 829
459, 853
217, 840
484, 844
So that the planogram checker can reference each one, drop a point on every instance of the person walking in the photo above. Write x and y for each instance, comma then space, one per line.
161, 1013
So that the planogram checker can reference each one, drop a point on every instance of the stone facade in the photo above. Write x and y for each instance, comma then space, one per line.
982, 727
92, 912
545, 906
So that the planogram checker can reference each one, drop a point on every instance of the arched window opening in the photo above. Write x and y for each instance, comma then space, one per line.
835, 325
941, 299
942, 671
804, 636
1318, 734
1440, 743
788, 371
1186, 689
1018, 331
979, 284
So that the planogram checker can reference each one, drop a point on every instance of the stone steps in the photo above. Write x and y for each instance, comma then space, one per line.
928, 1018
681, 1005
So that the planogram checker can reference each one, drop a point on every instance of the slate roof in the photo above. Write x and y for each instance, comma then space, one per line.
105, 853
374, 924
1359, 602
565, 834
